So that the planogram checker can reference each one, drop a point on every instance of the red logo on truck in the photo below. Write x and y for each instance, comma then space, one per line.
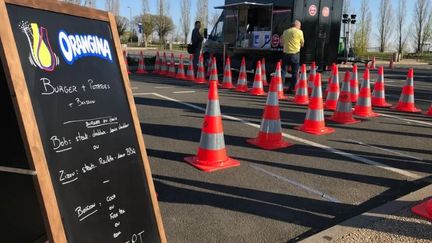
312, 10
275, 41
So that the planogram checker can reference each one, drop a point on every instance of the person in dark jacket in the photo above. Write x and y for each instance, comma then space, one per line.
197, 40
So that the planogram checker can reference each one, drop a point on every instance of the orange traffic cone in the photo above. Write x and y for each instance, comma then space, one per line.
270, 134
164, 68
429, 113
406, 100
180, 70
330, 79
333, 90
213, 72
378, 94
141, 65
311, 77
190, 75
126, 62
200, 78
257, 87
227, 79
172, 70
278, 75
424, 209
373, 65
343, 113
263, 72
354, 84
314, 122
301, 97
363, 107
242, 78
212, 154
156, 69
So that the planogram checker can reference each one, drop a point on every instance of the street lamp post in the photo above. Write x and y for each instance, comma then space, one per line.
348, 20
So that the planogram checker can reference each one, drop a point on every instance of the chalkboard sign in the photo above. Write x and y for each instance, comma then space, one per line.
79, 122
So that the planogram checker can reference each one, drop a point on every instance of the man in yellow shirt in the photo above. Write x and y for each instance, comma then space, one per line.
292, 40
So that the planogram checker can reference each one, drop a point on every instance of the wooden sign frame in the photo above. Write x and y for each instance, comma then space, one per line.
26, 117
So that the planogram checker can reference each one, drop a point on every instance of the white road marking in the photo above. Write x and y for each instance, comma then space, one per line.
311, 143
162, 87
406, 120
304, 187
134, 88
135, 94
184, 92
17, 170
383, 149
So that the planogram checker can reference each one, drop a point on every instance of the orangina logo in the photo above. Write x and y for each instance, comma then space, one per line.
41, 54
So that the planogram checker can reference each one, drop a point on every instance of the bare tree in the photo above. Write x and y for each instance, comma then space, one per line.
185, 7
400, 26
73, 1
113, 6
145, 6
163, 23
384, 21
89, 3
362, 32
427, 35
214, 18
420, 18
346, 7
202, 13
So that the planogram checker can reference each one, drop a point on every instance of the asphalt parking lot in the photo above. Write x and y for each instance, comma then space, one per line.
282, 195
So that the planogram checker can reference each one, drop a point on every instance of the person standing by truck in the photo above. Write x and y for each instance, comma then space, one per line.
292, 40
196, 40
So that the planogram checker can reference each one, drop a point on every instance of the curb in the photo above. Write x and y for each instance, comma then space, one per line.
367, 218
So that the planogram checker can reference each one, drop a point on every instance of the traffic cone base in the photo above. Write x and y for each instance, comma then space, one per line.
307, 127
269, 141
406, 107
424, 210
227, 86
429, 113
364, 113
380, 103
343, 118
210, 165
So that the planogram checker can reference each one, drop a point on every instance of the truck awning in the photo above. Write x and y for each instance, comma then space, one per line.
249, 4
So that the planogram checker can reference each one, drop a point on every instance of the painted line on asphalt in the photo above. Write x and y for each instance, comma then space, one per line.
17, 170
406, 120
135, 94
184, 92
295, 183
134, 88
311, 143
162, 87
383, 149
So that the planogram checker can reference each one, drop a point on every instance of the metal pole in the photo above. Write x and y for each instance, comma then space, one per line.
348, 38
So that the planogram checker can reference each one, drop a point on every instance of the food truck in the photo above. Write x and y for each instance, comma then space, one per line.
254, 30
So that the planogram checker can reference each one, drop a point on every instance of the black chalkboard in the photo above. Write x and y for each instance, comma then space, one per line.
85, 122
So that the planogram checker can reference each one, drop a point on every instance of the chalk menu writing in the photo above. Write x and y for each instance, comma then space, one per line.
82, 112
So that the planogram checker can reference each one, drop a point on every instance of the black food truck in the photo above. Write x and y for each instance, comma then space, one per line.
254, 30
